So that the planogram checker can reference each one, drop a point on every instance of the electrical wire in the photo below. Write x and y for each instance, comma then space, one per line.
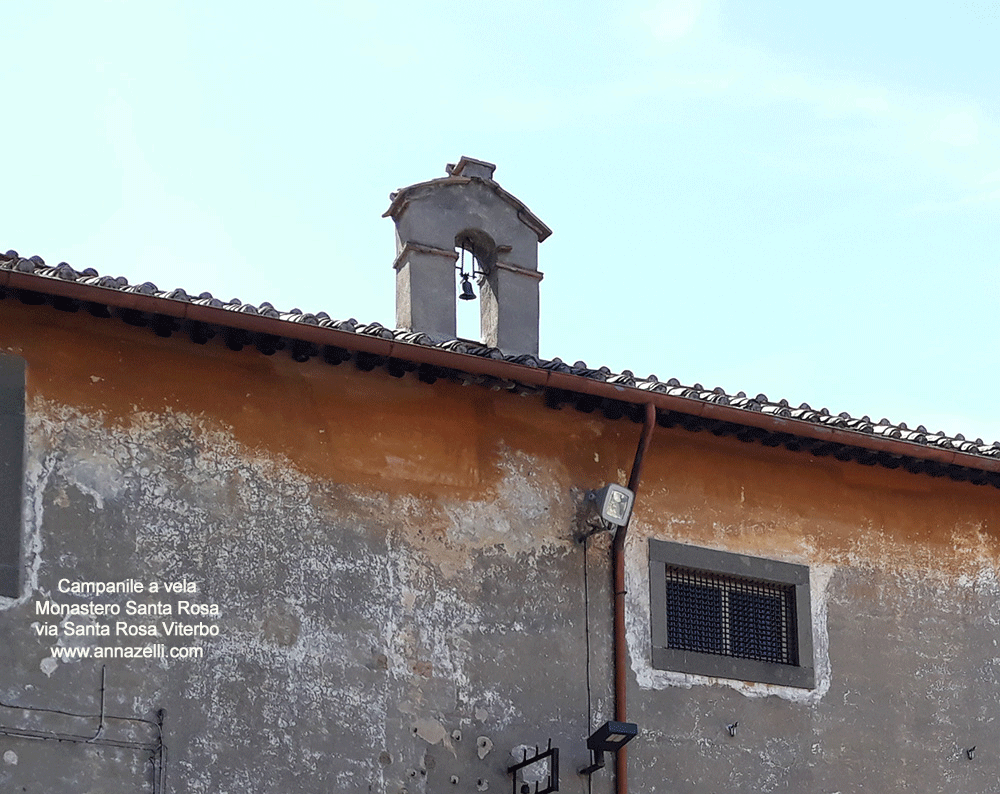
25, 733
163, 768
100, 726
156, 748
78, 716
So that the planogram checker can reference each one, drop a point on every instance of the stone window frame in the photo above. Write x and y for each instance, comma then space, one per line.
729, 564
11, 472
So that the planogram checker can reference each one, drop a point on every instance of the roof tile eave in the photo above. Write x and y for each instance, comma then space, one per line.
33, 275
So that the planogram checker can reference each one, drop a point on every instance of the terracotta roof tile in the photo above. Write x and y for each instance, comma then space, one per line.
36, 266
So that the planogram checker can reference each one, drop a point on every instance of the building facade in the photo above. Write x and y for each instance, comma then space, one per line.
253, 551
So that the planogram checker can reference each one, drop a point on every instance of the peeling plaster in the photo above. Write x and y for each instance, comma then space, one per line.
528, 503
97, 476
373, 600
431, 731
36, 475
185, 499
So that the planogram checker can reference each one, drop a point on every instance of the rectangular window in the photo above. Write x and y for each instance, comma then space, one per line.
11, 472
730, 615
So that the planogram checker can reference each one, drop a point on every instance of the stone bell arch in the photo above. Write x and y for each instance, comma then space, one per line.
467, 210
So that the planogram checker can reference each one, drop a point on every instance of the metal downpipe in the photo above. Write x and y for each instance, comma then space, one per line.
618, 564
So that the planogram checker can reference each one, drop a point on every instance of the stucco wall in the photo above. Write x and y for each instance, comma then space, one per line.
402, 600
905, 627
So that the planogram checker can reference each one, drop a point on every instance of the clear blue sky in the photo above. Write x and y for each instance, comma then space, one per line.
783, 197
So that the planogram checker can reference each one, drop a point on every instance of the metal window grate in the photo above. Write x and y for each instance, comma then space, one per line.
730, 616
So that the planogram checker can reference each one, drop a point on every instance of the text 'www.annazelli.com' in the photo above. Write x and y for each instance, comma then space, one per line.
154, 651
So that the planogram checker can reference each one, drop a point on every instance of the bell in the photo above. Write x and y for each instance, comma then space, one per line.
467, 293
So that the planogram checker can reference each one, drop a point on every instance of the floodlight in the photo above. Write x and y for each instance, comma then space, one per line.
609, 738
614, 504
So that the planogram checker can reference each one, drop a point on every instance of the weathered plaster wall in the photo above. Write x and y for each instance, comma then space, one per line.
398, 579
401, 595
905, 626
341, 634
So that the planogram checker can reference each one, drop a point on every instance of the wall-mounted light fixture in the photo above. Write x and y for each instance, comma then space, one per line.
609, 738
605, 509
614, 504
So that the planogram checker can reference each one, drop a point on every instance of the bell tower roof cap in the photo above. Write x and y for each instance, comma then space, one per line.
471, 167
466, 170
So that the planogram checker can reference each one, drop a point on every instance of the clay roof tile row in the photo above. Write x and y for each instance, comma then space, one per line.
35, 265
